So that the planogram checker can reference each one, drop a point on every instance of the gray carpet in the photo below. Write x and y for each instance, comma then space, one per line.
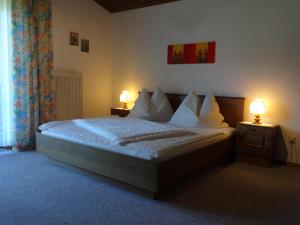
35, 191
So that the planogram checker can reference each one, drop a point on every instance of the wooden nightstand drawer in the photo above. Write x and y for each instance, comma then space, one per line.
253, 145
256, 142
119, 112
259, 130
254, 129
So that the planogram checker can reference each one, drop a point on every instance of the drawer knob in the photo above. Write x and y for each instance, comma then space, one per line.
253, 129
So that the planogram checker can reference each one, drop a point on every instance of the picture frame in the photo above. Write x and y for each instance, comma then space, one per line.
194, 53
85, 45
74, 39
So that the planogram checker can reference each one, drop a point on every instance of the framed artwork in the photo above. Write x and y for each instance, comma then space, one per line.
85, 45
74, 38
192, 53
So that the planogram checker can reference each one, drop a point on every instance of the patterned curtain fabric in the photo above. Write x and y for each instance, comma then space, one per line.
33, 63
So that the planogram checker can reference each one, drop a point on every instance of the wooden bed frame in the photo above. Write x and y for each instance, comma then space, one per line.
149, 177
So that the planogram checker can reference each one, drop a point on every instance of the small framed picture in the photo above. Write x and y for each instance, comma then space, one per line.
74, 38
85, 45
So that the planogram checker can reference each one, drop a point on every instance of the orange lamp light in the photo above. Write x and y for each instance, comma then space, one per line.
257, 108
125, 98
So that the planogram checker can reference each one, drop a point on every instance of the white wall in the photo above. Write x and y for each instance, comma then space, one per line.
257, 54
92, 22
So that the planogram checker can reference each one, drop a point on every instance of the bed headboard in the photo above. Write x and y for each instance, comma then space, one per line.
232, 108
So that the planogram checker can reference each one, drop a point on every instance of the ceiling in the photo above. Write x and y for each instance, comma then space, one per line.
114, 6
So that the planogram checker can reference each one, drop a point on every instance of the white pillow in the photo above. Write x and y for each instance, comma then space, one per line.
157, 109
161, 109
186, 114
141, 107
210, 116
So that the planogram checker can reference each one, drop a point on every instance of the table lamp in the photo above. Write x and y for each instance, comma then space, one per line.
257, 108
125, 98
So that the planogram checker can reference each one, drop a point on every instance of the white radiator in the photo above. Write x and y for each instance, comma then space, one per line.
68, 89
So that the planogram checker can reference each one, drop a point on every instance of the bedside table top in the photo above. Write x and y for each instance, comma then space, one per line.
248, 123
119, 108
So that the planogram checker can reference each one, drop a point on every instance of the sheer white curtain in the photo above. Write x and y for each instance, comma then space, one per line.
6, 103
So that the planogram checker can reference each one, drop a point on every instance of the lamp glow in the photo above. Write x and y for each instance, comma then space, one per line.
125, 98
257, 108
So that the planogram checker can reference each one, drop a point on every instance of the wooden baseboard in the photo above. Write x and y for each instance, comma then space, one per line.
253, 160
291, 164
263, 162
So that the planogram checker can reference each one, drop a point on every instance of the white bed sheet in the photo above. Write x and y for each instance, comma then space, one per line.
149, 150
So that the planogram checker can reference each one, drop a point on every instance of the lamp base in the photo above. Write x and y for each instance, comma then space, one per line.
125, 105
257, 120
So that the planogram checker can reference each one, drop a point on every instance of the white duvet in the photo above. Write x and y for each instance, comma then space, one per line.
143, 148
122, 131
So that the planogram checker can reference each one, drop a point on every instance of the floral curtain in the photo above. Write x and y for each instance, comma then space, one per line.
33, 63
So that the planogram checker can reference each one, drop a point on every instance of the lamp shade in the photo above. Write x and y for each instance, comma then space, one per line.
257, 107
124, 97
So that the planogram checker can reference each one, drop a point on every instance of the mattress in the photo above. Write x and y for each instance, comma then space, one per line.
148, 150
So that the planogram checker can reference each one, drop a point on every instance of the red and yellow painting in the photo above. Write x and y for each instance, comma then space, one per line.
192, 53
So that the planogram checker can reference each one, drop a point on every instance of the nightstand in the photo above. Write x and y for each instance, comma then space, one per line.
119, 112
256, 143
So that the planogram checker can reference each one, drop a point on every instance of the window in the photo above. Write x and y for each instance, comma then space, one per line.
6, 111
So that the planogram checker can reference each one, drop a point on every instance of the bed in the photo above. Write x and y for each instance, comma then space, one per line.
151, 177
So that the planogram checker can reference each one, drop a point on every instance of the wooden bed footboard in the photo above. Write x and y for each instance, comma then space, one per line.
152, 177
